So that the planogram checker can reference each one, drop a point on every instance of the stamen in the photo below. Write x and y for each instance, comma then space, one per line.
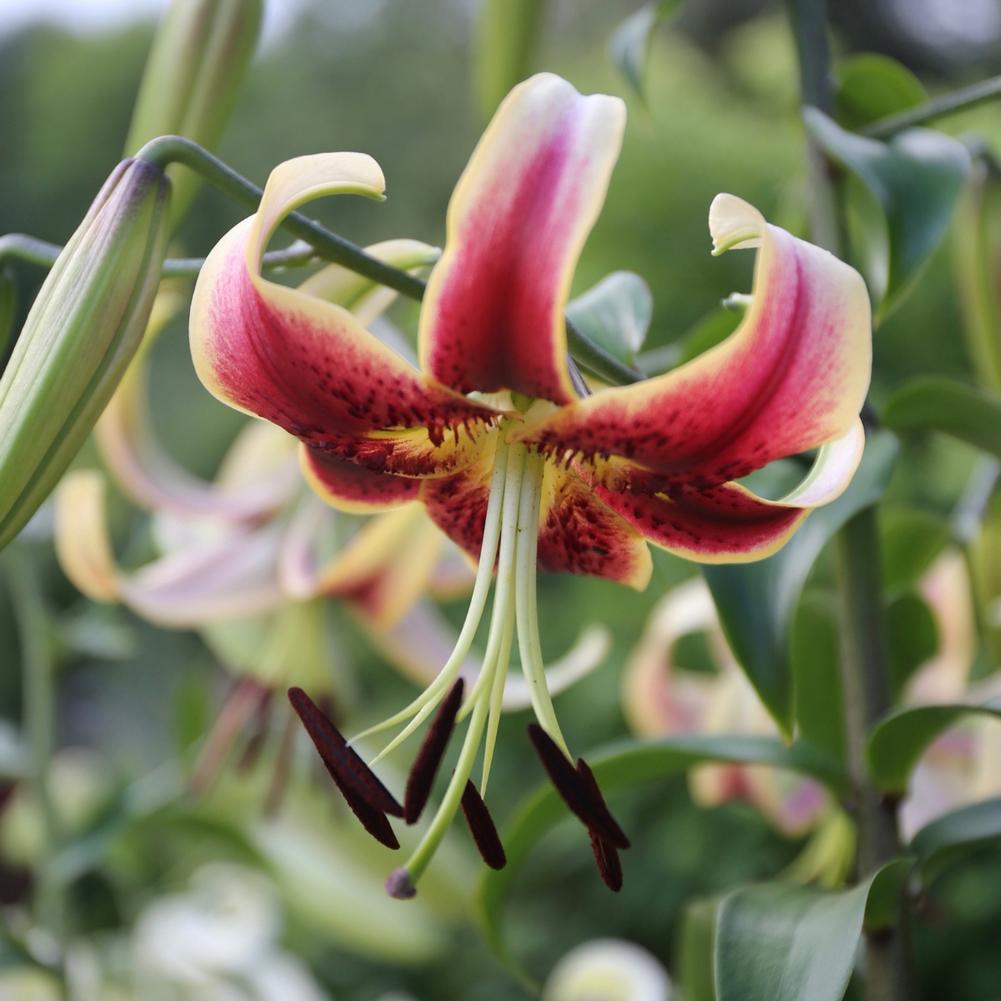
400, 886
345, 766
609, 864
239, 706
283, 765
481, 826
574, 788
425, 765
599, 804
425, 703
527, 612
255, 743
418, 862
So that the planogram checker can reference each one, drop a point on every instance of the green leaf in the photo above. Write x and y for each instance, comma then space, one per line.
914, 179
896, 743
936, 404
912, 638
871, 86
615, 314
508, 35
622, 765
783, 942
948, 838
814, 654
629, 46
756, 601
910, 539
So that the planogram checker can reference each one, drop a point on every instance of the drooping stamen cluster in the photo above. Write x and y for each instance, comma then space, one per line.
510, 539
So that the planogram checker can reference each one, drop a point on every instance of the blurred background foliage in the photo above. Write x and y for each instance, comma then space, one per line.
394, 79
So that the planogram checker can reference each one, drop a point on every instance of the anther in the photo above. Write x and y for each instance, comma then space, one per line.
575, 789
607, 858
601, 807
344, 764
481, 826
425, 765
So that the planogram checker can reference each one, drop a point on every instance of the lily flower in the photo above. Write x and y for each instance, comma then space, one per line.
494, 435
250, 558
661, 699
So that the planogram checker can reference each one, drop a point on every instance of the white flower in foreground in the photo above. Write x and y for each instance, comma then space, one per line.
608, 969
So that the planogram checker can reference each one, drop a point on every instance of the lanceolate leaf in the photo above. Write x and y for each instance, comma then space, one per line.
629, 47
615, 314
756, 601
915, 180
622, 765
781, 942
935, 404
897, 743
951, 836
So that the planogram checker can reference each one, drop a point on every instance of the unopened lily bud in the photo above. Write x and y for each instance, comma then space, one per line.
82, 331
199, 58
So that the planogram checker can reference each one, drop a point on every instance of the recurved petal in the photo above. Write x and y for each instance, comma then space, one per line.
493, 314
296, 360
580, 534
381, 572
724, 524
792, 377
230, 576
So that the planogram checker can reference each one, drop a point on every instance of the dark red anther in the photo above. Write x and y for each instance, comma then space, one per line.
481, 826
598, 801
371, 817
425, 765
575, 789
609, 865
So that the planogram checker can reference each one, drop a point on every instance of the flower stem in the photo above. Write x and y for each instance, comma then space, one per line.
38, 667
864, 662
937, 107
176, 149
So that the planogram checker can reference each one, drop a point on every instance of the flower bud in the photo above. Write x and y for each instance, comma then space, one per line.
199, 57
82, 331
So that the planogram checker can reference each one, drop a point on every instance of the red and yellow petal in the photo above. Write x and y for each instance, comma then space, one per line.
458, 504
294, 359
579, 534
724, 524
493, 314
792, 377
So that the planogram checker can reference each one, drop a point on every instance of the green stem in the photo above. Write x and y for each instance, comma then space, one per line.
864, 662
331, 247
37, 672
938, 107
43, 254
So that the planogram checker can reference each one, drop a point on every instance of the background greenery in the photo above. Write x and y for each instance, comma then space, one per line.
720, 115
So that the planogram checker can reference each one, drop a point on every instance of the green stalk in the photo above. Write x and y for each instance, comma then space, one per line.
864, 661
938, 107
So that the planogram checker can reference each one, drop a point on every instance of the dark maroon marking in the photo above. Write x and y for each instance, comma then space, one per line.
591, 783
343, 763
609, 864
481, 826
573, 788
425, 765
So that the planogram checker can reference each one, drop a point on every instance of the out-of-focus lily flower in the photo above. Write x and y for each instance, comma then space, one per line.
249, 558
608, 969
83, 329
961, 766
660, 698
496, 436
